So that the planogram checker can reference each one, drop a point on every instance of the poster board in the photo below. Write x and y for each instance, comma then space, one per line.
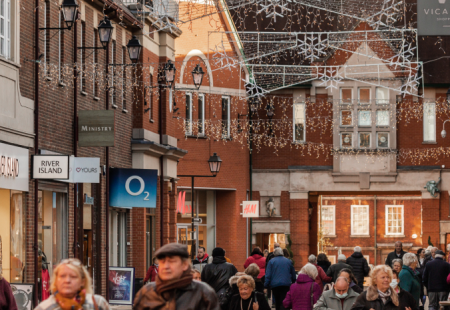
121, 285
23, 294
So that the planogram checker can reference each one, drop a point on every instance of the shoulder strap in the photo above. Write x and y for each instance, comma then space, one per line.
95, 303
312, 294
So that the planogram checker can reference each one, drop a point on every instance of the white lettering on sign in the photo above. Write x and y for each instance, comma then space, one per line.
9, 167
250, 209
88, 128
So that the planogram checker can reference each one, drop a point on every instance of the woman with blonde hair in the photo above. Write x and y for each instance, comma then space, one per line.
71, 289
382, 295
248, 298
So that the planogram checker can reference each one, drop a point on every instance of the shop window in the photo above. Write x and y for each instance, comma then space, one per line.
118, 238
382, 140
394, 220
346, 140
383, 118
225, 117
329, 220
364, 95
382, 95
346, 118
364, 118
360, 220
299, 122
346, 95
429, 122
201, 114
188, 114
364, 140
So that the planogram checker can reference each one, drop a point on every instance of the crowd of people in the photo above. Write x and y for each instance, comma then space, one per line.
269, 280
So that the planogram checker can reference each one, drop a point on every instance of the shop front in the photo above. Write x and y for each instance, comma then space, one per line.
14, 185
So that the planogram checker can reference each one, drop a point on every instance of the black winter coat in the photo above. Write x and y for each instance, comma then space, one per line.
435, 275
393, 255
218, 274
405, 300
324, 265
360, 267
334, 270
235, 303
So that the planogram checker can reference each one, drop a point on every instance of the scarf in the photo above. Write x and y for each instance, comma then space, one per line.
384, 296
75, 303
205, 258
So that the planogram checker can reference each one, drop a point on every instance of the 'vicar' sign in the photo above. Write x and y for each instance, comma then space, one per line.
96, 128
433, 17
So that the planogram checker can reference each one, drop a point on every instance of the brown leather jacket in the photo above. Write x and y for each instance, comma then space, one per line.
195, 296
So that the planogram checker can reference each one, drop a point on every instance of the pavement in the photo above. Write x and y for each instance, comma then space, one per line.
121, 307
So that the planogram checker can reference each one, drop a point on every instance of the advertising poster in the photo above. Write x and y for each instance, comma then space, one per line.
133, 188
121, 285
23, 294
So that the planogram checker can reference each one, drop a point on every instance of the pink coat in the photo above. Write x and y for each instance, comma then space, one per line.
258, 260
299, 295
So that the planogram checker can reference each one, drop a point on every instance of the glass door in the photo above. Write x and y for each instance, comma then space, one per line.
184, 237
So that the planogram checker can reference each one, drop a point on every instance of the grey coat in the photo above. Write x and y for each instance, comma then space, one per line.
329, 301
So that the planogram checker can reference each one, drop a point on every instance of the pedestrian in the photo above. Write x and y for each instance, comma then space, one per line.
217, 275
201, 260
340, 297
397, 264
380, 296
433, 252
420, 257
321, 277
280, 274
305, 292
152, 271
335, 269
359, 265
197, 276
266, 253
71, 289
7, 301
248, 298
323, 262
435, 280
409, 277
397, 253
174, 287
254, 271
420, 268
348, 274
257, 257
402, 294
268, 258
233, 289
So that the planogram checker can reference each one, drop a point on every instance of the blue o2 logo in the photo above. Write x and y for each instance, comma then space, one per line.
141, 189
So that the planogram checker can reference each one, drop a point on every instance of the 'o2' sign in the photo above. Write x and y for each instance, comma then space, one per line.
133, 188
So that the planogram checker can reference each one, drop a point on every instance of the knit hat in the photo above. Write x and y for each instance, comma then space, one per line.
218, 252
172, 249
439, 252
341, 257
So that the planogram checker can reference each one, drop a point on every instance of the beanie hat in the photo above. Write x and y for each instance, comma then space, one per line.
341, 257
218, 252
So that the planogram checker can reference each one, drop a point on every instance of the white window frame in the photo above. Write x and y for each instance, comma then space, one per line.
342, 98
359, 118
82, 25
352, 231
189, 117
201, 120
227, 135
384, 101
340, 139
332, 259
429, 136
45, 37
389, 138
333, 233
59, 46
113, 69
303, 139
359, 95
386, 220
359, 139
6, 37
388, 119
341, 118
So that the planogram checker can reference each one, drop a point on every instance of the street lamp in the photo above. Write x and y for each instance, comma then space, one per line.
197, 75
169, 73
105, 29
214, 164
443, 132
134, 49
69, 10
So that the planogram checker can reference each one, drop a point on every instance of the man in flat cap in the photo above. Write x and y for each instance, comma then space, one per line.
173, 287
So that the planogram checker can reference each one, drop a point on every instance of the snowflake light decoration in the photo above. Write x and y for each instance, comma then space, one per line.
331, 77
222, 59
390, 12
253, 89
270, 7
313, 47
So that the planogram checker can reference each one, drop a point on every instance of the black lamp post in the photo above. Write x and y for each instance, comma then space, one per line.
197, 76
105, 29
69, 9
214, 166
169, 73
134, 49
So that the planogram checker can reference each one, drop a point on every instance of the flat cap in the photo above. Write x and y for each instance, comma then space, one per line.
439, 252
172, 249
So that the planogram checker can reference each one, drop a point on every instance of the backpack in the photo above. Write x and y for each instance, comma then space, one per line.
225, 298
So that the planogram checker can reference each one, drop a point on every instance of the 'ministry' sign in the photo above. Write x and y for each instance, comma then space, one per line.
433, 17
96, 128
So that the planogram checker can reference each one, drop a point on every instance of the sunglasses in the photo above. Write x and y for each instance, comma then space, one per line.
71, 261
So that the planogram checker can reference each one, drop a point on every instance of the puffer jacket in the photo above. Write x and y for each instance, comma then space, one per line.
218, 274
258, 260
279, 272
195, 296
334, 270
371, 300
360, 267
299, 295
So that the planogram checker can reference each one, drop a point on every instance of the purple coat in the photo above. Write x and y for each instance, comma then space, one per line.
299, 295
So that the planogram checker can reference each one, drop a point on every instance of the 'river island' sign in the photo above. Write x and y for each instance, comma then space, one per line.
96, 128
50, 167
433, 17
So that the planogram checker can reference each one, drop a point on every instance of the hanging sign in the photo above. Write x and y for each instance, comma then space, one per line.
50, 167
13, 167
250, 209
130, 188
433, 17
84, 170
96, 128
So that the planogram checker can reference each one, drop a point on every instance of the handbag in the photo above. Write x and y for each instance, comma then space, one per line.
95, 303
312, 295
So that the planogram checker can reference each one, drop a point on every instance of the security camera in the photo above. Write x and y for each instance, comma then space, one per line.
443, 133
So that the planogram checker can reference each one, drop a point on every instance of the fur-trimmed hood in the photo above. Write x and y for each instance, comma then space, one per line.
372, 294
235, 278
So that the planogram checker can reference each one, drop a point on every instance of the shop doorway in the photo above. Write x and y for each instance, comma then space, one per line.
184, 237
87, 250
266, 241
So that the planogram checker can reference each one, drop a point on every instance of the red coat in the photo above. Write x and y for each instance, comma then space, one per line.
258, 260
151, 274
322, 277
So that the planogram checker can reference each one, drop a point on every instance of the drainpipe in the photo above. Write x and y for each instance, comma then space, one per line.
107, 184
251, 186
161, 167
36, 147
375, 226
75, 141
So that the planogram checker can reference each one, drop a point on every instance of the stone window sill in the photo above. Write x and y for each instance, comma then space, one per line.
359, 236
394, 236
429, 142
196, 137
330, 236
